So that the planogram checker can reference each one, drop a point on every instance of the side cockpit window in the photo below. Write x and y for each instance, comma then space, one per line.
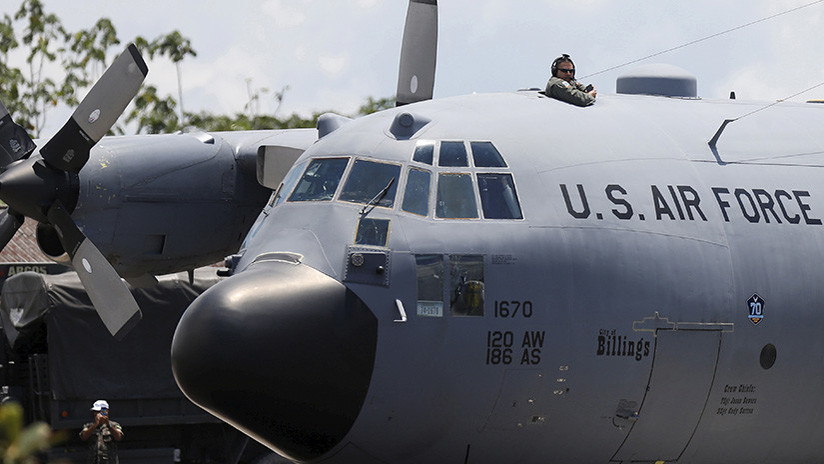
456, 197
430, 285
462, 280
416, 195
372, 182
466, 296
498, 197
320, 181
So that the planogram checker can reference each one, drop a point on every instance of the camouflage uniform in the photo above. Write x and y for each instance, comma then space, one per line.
102, 445
573, 92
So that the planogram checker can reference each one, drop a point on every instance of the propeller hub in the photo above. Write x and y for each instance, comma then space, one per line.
282, 352
30, 187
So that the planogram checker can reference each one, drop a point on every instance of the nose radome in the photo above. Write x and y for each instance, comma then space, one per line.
282, 352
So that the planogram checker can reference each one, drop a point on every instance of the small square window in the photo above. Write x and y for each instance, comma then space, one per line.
453, 154
424, 153
372, 232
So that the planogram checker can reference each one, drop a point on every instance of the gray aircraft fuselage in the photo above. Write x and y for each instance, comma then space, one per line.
616, 292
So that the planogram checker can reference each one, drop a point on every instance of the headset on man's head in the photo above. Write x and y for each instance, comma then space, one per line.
561, 59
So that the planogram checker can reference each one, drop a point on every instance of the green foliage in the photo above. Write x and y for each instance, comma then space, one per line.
172, 45
154, 114
176, 47
87, 51
41, 34
213, 122
373, 106
20, 445
11, 78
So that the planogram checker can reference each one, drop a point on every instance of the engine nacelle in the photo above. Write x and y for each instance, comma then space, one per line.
164, 203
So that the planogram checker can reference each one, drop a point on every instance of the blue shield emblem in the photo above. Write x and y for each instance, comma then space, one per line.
756, 308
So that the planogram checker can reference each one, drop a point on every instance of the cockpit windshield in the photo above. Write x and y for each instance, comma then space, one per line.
288, 184
368, 179
320, 181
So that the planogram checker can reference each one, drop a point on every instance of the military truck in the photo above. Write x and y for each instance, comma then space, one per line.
58, 358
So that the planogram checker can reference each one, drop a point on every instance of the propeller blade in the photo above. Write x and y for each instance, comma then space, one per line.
9, 223
15, 142
69, 149
108, 293
416, 78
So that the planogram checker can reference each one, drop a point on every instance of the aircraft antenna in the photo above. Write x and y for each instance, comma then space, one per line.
782, 100
724, 124
712, 36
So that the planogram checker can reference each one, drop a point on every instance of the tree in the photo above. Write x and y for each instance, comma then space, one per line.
176, 47
373, 106
212, 122
153, 114
30, 94
88, 49
40, 92
11, 78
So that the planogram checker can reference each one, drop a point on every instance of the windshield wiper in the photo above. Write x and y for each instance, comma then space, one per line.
377, 198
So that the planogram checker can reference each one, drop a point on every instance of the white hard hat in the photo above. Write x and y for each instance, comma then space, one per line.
100, 404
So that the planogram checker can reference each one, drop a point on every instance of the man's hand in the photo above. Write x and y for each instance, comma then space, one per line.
100, 419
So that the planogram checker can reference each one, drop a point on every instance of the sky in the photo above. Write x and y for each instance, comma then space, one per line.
334, 54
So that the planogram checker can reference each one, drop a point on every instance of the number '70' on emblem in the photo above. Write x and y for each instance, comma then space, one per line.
756, 306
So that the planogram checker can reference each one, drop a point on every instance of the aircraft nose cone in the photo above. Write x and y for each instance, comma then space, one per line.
282, 352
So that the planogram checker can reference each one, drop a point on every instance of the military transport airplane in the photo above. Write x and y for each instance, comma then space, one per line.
498, 278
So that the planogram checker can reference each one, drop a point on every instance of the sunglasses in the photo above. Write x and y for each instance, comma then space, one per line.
566, 70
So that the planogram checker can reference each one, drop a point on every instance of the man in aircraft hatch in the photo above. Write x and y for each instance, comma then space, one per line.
563, 86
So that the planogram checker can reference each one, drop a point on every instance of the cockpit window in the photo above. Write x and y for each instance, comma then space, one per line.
456, 197
424, 153
452, 154
367, 182
498, 197
416, 197
320, 181
485, 155
457, 193
288, 184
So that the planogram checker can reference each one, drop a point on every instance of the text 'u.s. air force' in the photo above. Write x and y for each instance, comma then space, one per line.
685, 203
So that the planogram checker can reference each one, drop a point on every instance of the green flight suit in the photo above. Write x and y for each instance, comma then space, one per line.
569, 92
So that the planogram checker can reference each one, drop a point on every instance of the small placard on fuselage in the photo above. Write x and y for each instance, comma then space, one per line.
430, 308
